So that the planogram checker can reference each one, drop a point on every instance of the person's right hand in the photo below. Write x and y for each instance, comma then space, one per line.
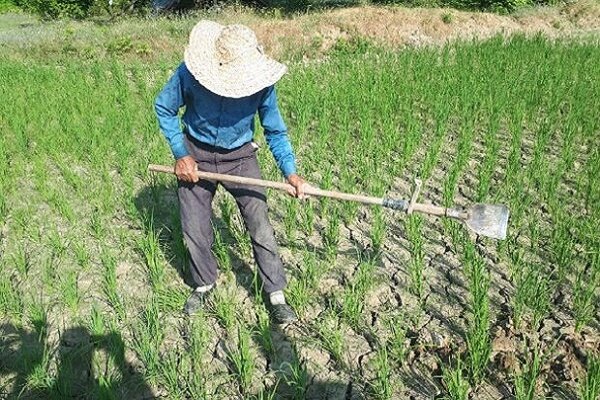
185, 169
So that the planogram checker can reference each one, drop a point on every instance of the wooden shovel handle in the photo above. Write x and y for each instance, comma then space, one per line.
309, 190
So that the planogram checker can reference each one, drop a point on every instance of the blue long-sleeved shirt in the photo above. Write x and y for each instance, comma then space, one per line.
219, 121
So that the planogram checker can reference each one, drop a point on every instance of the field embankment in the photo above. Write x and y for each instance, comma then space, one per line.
304, 36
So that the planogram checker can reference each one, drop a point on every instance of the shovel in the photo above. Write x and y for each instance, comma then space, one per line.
488, 220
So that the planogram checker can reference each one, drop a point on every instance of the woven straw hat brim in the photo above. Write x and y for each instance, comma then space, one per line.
238, 78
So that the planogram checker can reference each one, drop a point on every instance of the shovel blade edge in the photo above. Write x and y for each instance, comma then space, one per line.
490, 220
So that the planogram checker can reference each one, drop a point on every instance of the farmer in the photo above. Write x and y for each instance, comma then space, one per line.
224, 81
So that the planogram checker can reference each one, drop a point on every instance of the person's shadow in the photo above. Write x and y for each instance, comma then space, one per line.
87, 366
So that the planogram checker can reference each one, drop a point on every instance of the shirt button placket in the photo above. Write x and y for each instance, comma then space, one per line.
219, 120
217, 131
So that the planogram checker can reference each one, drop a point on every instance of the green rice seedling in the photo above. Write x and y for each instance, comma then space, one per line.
170, 298
267, 393
349, 208
225, 308
457, 385
417, 262
397, 342
257, 286
96, 323
533, 291
381, 386
196, 385
331, 234
37, 313
228, 212
353, 297
21, 259
534, 233
307, 218
296, 377
479, 343
378, 229
434, 149
198, 337
589, 388
242, 361
263, 328
313, 269
69, 175
148, 334
235, 226
290, 220
59, 201
365, 275
82, 256
106, 388
353, 305
71, 298
585, 299
562, 246
490, 160
109, 283
149, 245
331, 337
49, 271
300, 293
11, 305
56, 243
97, 225
40, 376
169, 370
526, 380
221, 250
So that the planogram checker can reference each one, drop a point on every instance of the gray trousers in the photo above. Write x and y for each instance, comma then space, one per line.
195, 202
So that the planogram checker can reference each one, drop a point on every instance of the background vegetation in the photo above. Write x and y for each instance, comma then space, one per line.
52, 9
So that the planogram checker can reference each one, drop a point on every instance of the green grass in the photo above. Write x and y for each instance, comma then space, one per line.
590, 386
506, 120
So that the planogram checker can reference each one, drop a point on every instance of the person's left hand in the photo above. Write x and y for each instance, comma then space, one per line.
299, 185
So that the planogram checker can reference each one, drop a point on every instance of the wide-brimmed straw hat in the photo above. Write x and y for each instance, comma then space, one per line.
228, 61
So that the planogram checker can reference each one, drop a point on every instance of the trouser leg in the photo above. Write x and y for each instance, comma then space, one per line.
252, 202
195, 202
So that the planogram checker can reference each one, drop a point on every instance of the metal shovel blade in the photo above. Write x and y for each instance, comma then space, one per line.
488, 220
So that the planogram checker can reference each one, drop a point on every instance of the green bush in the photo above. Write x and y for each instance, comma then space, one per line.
57, 8
7, 5
52, 9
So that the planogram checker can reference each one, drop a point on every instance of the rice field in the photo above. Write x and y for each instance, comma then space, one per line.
93, 269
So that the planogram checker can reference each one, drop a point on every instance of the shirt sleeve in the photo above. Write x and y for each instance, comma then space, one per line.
276, 133
167, 105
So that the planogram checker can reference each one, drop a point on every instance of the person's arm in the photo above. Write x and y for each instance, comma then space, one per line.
167, 105
277, 139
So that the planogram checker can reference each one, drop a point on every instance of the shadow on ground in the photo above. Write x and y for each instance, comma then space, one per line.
81, 365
